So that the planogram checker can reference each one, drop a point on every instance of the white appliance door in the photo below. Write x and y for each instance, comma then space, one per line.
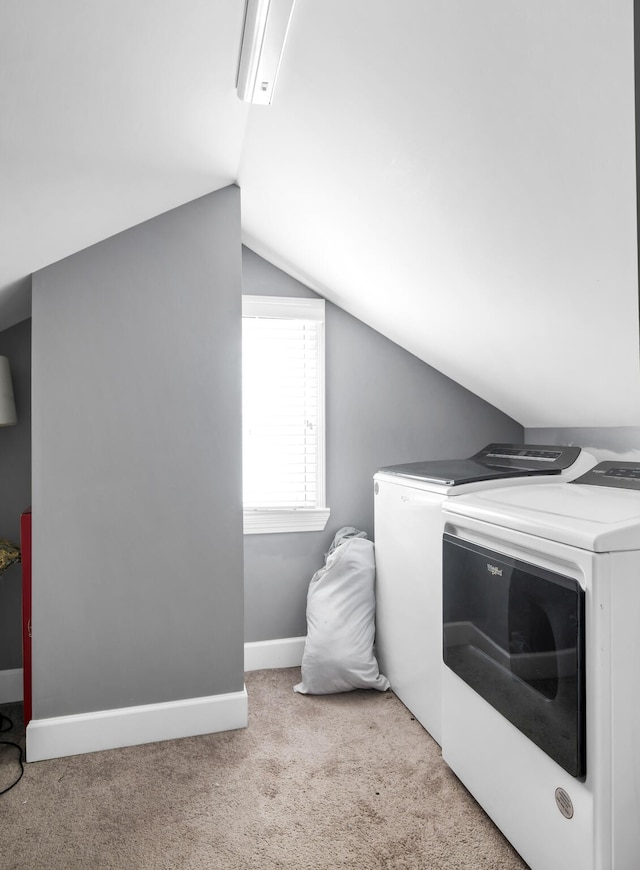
555, 820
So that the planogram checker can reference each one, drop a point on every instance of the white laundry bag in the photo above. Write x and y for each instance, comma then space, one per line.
338, 653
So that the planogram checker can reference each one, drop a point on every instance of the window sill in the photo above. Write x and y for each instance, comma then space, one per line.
269, 522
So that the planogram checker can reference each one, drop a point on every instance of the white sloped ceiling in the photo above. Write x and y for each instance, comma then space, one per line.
459, 175
111, 112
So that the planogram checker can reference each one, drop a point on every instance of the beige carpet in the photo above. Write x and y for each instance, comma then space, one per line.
314, 783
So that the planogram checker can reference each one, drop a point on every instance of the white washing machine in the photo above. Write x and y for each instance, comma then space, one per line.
541, 674
408, 545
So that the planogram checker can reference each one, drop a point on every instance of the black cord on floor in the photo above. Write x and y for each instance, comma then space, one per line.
4, 728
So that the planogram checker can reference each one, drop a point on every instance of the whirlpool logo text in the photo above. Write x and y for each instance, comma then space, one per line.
496, 572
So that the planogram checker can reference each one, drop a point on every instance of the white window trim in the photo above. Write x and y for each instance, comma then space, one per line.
260, 521
268, 522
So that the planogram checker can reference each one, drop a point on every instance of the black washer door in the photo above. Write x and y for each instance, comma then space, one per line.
514, 632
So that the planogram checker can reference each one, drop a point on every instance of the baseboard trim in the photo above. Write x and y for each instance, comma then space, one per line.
284, 652
131, 726
11, 686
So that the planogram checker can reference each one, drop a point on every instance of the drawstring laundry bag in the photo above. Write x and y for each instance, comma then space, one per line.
339, 648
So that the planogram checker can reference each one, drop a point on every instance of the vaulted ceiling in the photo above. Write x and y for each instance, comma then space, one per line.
459, 175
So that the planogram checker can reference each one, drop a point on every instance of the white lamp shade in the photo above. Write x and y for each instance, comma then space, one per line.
7, 402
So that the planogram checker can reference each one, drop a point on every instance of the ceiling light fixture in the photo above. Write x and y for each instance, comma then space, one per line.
266, 24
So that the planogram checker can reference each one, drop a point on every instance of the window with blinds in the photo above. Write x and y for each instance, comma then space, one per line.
283, 414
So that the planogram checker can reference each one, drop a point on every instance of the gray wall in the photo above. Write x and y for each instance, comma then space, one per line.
137, 547
15, 474
383, 406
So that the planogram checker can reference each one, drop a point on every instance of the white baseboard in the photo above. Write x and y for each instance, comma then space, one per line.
285, 652
130, 726
11, 687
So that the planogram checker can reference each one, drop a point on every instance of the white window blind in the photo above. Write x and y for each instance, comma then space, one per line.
283, 414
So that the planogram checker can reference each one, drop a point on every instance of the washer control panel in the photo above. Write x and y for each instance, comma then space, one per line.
551, 458
620, 475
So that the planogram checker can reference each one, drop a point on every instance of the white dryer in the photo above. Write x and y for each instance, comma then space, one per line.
541, 675
408, 546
